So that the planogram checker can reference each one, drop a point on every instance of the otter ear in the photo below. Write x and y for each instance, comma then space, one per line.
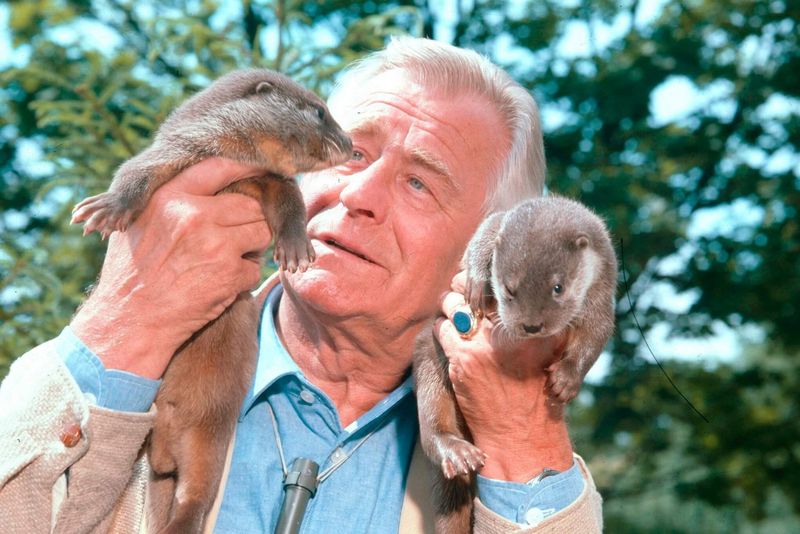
264, 87
498, 240
582, 241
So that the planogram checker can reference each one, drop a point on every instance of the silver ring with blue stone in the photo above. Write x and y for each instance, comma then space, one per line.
465, 322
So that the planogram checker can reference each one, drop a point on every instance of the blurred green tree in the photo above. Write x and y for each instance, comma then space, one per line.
705, 201
93, 83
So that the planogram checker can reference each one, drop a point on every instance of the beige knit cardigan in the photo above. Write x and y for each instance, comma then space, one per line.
102, 482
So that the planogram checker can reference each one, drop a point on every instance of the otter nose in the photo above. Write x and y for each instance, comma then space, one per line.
531, 328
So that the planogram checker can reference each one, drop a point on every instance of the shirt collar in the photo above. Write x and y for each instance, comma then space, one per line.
274, 361
383, 406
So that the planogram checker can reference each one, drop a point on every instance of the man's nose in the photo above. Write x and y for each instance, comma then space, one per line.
367, 192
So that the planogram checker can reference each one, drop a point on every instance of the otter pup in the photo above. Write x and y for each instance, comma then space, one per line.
550, 266
260, 118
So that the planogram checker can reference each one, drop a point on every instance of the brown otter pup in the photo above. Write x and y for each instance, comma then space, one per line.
263, 119
549, 264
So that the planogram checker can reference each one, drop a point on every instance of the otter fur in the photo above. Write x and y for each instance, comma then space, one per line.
263, 119
548, 265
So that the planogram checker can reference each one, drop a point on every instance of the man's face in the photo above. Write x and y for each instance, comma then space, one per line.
389, 226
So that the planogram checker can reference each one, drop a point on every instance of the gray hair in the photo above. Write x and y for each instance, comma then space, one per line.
458, 71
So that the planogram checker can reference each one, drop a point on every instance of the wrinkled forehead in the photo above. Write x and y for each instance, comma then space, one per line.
452, 117
353, 104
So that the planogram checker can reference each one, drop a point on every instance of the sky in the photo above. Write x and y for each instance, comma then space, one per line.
675, 100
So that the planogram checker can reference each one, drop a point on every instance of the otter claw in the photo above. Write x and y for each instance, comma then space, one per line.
103, 213
293, 254
458, 456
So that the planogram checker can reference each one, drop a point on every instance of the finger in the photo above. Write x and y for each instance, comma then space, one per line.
210, 175
251, 239
446, 332
450, 302
250, 275
449, 337
459, 282
233, 210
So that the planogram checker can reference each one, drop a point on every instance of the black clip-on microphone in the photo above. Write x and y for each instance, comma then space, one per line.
298, 487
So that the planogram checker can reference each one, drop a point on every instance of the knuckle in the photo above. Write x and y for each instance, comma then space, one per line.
182, 213
451, 301
160, 203
190, 215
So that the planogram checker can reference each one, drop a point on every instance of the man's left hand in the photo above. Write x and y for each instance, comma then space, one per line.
501, 392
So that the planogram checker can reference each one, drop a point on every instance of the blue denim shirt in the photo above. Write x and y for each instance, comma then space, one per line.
365, 493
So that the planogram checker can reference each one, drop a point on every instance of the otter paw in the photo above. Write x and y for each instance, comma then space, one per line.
104, 213
458, 456
294, 253
564, 381
475, 295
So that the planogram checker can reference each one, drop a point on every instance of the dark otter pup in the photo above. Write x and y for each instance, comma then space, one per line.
260, 118
549, 264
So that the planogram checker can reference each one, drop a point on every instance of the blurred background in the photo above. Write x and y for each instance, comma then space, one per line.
677, 121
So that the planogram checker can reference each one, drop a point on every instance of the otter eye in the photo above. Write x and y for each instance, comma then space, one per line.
558, 289
321, 112
510, 293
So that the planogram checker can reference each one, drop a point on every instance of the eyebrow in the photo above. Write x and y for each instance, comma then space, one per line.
368, 126
430, 161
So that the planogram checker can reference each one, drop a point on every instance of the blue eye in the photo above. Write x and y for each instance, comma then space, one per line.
416, 183
357, 156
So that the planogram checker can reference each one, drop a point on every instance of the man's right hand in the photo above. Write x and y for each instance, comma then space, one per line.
176, 268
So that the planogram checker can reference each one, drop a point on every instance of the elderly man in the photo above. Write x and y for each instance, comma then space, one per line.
440, 139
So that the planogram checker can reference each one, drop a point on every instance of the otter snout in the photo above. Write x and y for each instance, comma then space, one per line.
340, 147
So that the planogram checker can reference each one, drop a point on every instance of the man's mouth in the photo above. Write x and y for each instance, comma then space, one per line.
336, 244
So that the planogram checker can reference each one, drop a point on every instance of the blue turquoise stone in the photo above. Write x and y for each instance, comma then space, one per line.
462, 322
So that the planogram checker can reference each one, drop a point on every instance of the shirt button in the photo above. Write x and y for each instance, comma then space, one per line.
307, 396
337, 455
534, 516
70, 434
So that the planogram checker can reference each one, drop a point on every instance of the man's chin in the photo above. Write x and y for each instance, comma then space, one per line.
330, 292
348, 295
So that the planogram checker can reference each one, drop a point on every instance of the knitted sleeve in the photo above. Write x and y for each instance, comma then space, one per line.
585, 515
63, 461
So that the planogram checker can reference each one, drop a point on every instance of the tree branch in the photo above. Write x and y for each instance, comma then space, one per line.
280, 15
109, 117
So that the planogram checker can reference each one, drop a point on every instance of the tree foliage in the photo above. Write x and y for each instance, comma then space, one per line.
703, 203
95, 82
